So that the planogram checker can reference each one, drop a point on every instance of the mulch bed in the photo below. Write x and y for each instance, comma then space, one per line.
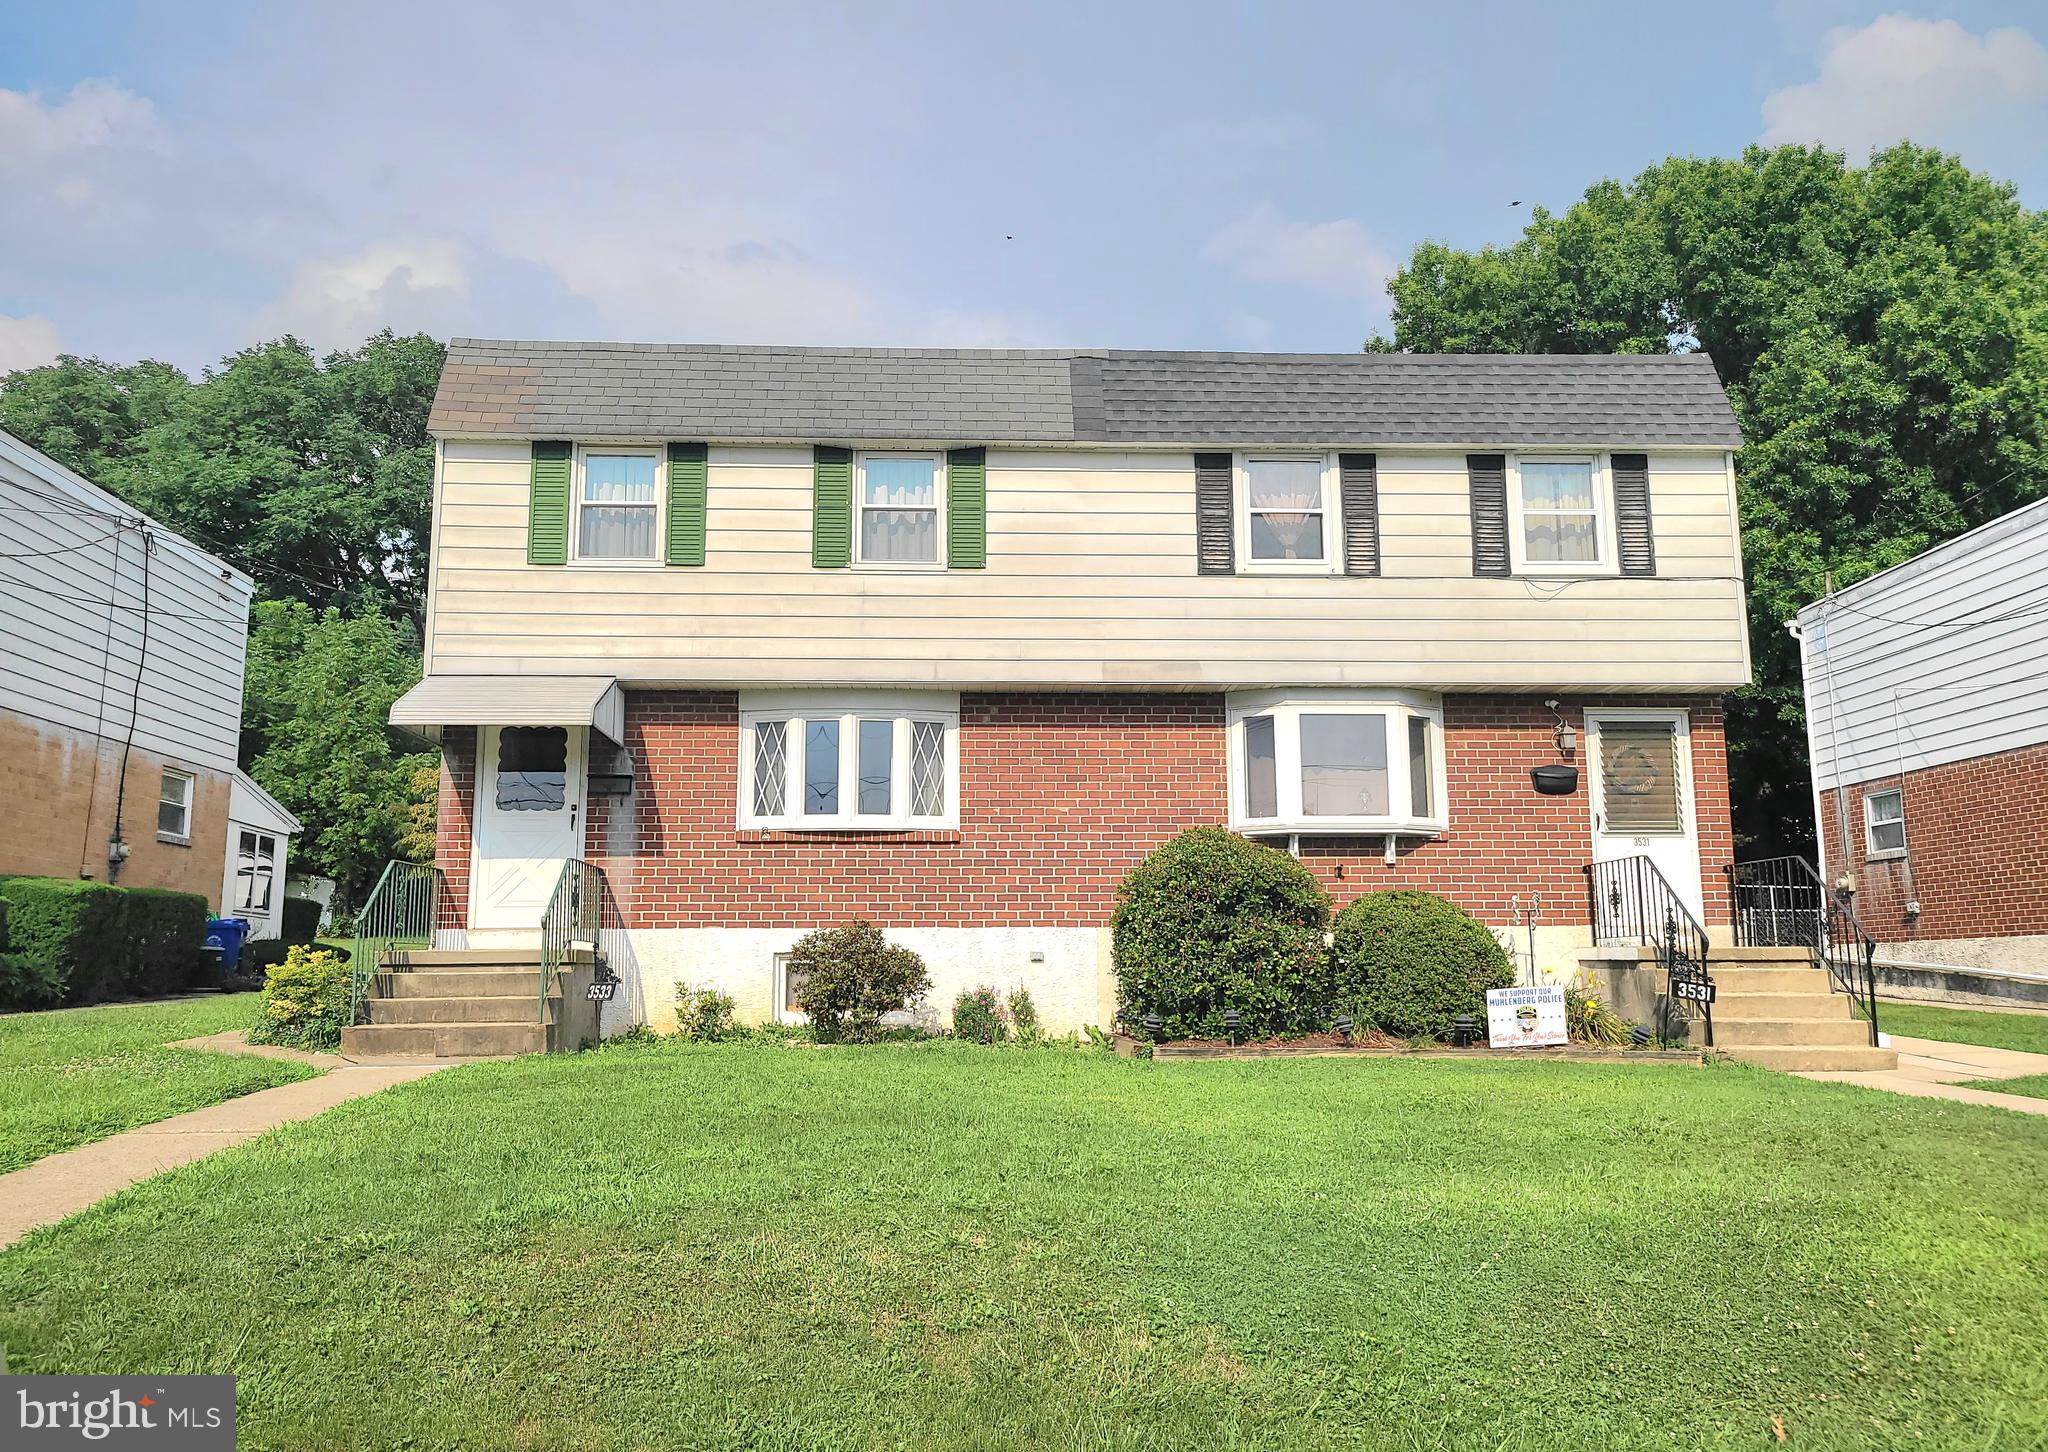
1370, 1045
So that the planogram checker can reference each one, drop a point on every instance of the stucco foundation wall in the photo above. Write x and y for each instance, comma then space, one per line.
1068, 986
57, 789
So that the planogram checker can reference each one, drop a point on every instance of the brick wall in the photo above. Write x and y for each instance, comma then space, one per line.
453, 808
1978, 833
57, 810
1060, 795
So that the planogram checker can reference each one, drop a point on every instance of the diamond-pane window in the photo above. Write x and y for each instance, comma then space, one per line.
927, 769
771, 768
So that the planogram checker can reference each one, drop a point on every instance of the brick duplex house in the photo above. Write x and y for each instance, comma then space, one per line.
777, 637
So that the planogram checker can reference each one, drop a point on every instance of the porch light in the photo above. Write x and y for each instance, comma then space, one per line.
1464, 1030
1231, 1020
1343, 1026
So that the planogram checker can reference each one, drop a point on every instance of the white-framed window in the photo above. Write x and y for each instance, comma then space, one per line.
174, 806
1561, 515
784, 990
255, 871
900, 510
1286, 518
1884, 823
618, 505
1336, 762
849, 761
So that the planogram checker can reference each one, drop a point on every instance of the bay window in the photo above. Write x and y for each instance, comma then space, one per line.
849, 761
1336, 762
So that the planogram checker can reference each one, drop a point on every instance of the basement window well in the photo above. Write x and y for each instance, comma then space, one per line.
1336, 763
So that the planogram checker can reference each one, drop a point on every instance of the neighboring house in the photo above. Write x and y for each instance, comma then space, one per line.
121, 651
1927, 723
781, 637
260, 836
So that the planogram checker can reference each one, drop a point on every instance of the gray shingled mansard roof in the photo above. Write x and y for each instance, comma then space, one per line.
1046, 396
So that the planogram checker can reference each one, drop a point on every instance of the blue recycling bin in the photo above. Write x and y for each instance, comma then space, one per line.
228, 935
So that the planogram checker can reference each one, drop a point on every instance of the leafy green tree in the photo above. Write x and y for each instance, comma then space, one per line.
89, 415
319, 690
1883, 335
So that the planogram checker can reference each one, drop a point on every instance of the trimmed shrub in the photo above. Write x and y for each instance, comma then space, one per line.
1024, 1016
1211, 921
1413, 962
87, 941
305, 1001
301, 919
704, 1015
978, 1017
847, 978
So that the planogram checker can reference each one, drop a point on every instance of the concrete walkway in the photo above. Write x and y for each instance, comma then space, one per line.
63, 1184
1929, 1069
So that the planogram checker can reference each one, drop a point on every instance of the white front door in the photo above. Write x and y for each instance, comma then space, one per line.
529, 820
1641, 767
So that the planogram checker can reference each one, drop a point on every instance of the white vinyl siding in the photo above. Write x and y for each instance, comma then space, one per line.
68, 659
1090, 581
1939, 660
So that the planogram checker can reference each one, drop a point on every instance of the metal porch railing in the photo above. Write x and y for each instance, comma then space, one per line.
1782, 902
1630, 902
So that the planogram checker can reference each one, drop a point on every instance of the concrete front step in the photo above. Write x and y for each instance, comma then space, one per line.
1802, 957
501, 957
1735, 1004
471, 983
1746, 978
1811, 1058
1782, 1032
520, 1008
444, 1040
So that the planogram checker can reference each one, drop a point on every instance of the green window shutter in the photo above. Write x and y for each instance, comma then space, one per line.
687, 479
966, 509
547, 504
831, 507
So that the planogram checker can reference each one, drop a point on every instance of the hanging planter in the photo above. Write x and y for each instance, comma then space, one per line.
1555, 781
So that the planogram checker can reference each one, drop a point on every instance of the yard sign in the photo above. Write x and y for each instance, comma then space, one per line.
1525, 1018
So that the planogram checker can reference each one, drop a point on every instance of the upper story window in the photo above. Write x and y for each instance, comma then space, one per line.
1561, 515
1336, 762
617, 505
854, 761
1285, 501
1884, 824
900, 503
174, 806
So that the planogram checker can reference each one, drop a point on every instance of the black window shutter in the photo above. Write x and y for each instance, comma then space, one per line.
1215, 529
1358, 477
1636, 540
1488, 474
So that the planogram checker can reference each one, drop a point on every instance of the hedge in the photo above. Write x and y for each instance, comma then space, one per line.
301, 919
1412, 962
1211, 921
72, 941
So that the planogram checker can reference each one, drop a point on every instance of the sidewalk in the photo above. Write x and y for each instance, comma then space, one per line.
1928, 1069
63, 1184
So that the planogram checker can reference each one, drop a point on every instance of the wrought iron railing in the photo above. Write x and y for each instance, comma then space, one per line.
1782, 902
409, 909
1630, 902
573, 926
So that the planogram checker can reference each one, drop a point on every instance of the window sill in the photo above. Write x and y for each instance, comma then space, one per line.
1333, 827
649, 565
814, 834
1895, 856
1568, 572
898, 567
1282, 567
172, 839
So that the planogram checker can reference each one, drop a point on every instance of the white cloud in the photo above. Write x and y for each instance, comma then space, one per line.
1337, 257
407, 286
95, 116
26, 343
1899, 77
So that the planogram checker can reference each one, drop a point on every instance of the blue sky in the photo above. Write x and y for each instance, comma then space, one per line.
179, 181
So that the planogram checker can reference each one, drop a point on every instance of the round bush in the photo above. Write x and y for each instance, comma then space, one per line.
1213, 921
847, 978
1412, 962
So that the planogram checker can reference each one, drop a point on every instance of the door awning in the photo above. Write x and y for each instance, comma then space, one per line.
437, 701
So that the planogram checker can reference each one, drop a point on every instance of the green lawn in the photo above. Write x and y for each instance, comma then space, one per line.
948, 1247
79, 1074
2034, 1086
2027, 1031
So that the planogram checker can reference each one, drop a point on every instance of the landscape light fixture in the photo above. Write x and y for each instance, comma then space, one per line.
1639, 1036
1343, 1026
1464, 1030
1153, 1024
1231, 1020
